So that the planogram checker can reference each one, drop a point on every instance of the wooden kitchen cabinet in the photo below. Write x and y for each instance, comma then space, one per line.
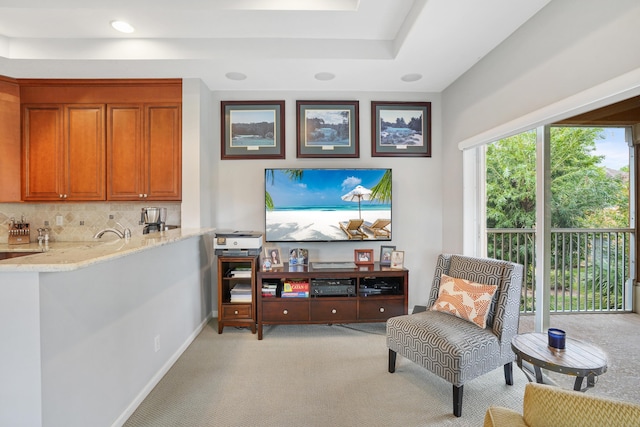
10, 143
63, 152
144, 152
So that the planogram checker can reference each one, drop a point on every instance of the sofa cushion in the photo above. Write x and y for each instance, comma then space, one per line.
465, 299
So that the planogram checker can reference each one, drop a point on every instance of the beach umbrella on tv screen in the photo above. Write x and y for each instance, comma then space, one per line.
358, 194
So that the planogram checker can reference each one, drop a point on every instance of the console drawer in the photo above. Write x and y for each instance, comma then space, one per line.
284, 310
236, 311
380, 308
333, 310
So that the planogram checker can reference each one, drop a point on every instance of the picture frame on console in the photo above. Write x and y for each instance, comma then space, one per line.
327, 129
397, 260
273, 256
400, 129
363, 256
298, 256
252, 130
385, 255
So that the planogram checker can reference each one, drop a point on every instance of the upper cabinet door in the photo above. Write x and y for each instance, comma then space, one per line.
163, 151
144, 152
85, 152
64, 152
124, 152
43, 152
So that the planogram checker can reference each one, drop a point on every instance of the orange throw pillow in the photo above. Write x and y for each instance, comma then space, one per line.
465, 299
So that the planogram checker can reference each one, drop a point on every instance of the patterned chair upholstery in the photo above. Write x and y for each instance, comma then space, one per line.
455, 349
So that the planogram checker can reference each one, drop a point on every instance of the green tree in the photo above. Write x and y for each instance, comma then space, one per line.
581, 189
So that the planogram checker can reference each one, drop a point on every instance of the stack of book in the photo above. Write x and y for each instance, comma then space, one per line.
295, 290
241, 293
240, 272
269, 290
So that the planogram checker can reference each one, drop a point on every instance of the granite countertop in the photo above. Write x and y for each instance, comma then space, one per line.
67, 256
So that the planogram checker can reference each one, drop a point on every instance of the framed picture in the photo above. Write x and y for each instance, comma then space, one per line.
298, 256
397, 260
252, 129
327, 128
385, 255
363, 256
271, 254
401, 129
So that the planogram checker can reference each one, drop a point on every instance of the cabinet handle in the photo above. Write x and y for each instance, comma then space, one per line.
235, 312
334, 311
381, 309
285, 311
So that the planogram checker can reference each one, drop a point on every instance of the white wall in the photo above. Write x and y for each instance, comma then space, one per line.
568, 47
417, 185
98, 326
20, 373
197, 155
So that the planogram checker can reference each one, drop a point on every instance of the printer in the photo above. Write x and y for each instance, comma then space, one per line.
237, 243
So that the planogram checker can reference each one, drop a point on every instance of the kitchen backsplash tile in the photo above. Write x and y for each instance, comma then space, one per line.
81, 221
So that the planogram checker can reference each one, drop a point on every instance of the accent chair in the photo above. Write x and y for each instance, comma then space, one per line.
453, 347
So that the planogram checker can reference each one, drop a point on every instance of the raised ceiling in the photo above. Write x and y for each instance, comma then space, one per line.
278, 44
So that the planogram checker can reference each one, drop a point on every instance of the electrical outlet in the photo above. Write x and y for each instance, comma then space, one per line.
156, 343
59, 220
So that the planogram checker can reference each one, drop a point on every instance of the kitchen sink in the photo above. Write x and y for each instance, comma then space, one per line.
7, 255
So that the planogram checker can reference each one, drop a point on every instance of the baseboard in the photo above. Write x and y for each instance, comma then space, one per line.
119, 422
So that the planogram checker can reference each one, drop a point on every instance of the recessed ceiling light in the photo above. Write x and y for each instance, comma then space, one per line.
123, 27
411, 77
325, 76
234, 75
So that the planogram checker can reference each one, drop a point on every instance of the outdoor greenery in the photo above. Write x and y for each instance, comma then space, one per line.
588, 271
583, 193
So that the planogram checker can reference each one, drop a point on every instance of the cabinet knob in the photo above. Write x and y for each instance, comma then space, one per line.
235, 312
285, 311
334, 311
145, 196
140, 196
381, 309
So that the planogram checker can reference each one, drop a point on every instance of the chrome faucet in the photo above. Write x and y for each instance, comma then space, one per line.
124, 234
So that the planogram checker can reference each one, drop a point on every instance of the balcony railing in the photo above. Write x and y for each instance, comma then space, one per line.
590, 268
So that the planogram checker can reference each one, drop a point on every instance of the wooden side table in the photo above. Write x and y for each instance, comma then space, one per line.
580, 359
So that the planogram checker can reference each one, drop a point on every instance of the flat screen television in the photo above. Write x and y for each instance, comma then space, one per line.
327, 205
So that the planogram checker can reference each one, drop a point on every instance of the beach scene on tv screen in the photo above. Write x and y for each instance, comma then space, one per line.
327, 204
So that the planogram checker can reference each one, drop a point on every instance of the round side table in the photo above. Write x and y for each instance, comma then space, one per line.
579, 359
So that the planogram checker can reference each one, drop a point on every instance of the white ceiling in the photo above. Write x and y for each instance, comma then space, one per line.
368, 44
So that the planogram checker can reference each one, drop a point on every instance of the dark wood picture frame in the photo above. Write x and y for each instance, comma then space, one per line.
363, 256
340, 137
385, 255
252, 130
411, 137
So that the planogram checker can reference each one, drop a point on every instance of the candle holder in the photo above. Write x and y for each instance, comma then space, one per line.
557, 338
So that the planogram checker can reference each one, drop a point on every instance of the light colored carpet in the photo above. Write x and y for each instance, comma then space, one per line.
319, 375
311, 375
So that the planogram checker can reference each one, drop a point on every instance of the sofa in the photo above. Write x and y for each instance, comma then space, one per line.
547, 406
